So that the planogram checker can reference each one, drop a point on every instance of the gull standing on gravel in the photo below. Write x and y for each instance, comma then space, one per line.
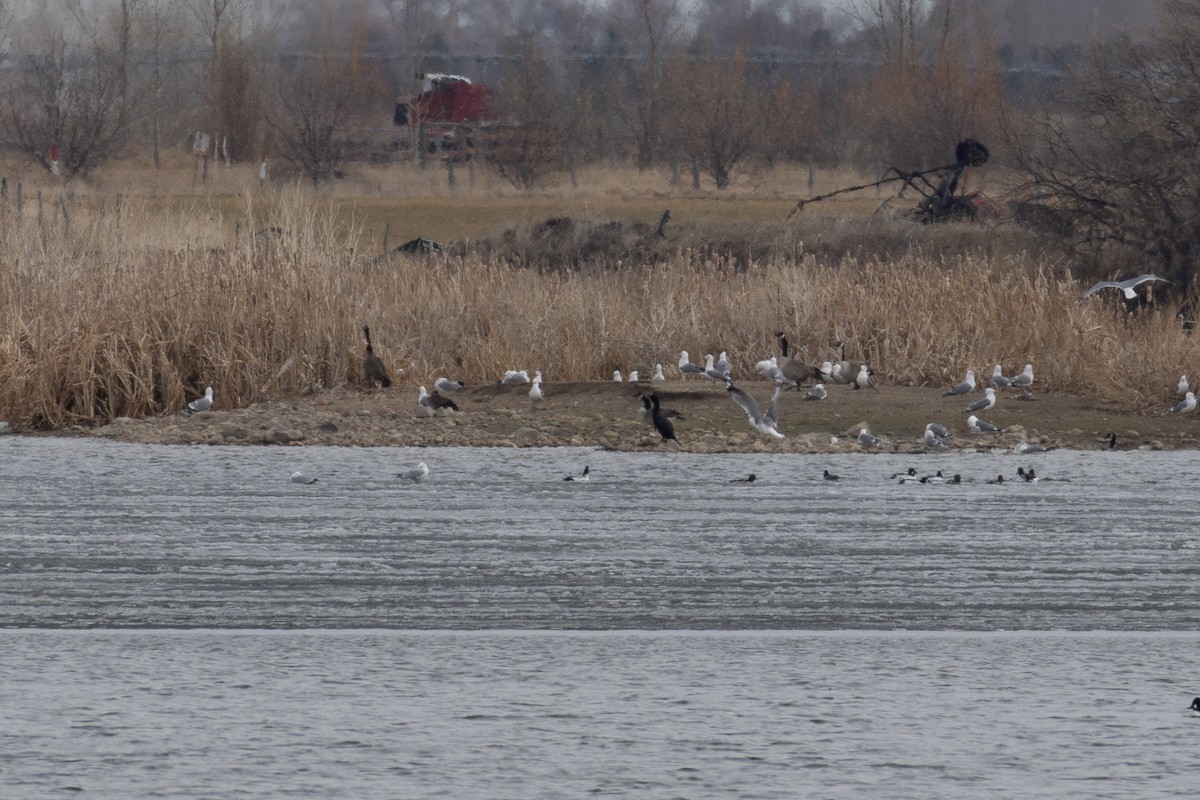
976, 425
446, 385
983, 403
763, 423
417, 474
1025, 379
967, 385
1185, 406
866, 438
998, 381
936, 436
723, 366
863, 379
535, 392
687, 367
817, 392
711, 371
202, 403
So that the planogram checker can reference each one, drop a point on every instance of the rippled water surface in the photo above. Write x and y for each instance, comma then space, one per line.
655, 632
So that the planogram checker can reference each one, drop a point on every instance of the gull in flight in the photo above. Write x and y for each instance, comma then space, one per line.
763, 423
417, 474
976, 425
983, 403
1127, 287
202, 403
1185, 406
967, 385
300, 477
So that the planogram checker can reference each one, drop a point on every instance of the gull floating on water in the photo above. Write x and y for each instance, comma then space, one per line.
202, 403
416, 474
447, 385
967, 385
300, 477
976, 425
583, 477
983, 403
1126, 286
763, 423
1185, 406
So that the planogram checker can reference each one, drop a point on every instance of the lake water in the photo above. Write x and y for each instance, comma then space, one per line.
187, 623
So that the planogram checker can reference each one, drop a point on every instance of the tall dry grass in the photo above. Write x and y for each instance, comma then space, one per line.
128, 307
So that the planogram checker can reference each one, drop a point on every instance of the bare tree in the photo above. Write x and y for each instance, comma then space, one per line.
652, 28
1117, 164
67, 101
722, 113
530, 142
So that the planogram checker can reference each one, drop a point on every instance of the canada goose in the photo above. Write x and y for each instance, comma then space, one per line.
417, 474
967, 385
433, 403
764, 423
373, 366
851, 370
1184, 406
661, 424
202, 403
795, 371
983, 403
300, 477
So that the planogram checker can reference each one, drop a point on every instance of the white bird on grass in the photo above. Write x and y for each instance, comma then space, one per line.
202, 403
983, 403
967, 385
763, 423
1185, 406
300, 477
417, 474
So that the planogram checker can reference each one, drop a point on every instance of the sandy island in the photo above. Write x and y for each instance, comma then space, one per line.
605, 414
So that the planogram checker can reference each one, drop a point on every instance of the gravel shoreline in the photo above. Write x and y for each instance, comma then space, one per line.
605, 414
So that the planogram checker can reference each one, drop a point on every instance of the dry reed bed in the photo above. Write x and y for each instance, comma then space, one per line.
127, 313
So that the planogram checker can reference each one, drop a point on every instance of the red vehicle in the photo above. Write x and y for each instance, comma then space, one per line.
447, 114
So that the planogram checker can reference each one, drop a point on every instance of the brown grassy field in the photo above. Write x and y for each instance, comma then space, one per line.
121, 299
